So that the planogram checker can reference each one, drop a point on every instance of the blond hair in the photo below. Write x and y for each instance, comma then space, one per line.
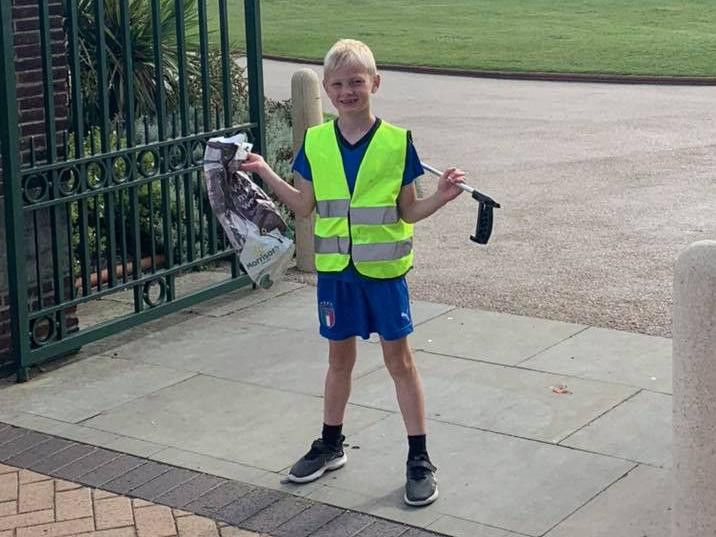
349, 52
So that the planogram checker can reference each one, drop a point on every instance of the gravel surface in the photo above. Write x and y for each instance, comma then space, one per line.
601, 187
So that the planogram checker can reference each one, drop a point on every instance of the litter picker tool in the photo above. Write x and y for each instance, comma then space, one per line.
485, 205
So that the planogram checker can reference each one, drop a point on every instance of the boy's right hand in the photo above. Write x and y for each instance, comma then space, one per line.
254, 163
447, 184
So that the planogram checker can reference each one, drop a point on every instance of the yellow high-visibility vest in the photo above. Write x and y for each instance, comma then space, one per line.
365, 227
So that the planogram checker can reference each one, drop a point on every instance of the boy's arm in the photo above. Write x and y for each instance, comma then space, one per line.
413, 209
299, 198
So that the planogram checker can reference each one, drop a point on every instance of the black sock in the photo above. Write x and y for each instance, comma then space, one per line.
332, 434
416, 446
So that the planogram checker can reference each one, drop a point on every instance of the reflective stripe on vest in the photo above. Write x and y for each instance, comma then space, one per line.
358, 215
332, 245
332, 208
381, 251
374, 215
365, 226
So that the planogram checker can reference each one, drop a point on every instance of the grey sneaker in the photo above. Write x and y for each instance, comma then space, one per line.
421, 487
317, 461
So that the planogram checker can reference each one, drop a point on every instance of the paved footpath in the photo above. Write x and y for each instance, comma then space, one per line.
83, 490
107, 493
538, 427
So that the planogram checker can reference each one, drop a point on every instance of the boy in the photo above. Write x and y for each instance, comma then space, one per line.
359, 172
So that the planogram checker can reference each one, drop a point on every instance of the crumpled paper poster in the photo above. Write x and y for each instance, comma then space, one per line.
249, 217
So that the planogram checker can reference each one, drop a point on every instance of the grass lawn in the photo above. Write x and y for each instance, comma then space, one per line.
669, 37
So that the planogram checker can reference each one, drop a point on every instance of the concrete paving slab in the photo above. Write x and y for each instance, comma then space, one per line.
519, 485
102, 310
423, 311
497, 398
107, 345
636, 506
133, 446
489, 336
184, 284
7, 415
207, 464
87, 387
279, 481
251, 425
389, 506
340, 498
295, 310
71, 431
639, 429
227, 348
611, 356
242, 299
458, 527
392, 507
122, 303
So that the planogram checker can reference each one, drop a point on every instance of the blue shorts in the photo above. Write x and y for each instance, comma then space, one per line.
359, 308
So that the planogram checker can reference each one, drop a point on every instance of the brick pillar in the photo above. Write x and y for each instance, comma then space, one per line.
31, 112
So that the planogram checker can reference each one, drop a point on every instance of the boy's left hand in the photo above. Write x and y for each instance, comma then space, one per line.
447, 184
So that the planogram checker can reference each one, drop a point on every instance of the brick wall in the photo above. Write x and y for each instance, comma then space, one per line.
28, 65
30, 98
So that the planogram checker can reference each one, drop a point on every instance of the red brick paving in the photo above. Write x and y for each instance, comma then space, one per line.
36, 505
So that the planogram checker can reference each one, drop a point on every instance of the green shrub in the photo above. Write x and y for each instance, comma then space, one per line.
278, 154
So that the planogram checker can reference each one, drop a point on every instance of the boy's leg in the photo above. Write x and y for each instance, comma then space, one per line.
408, 386
421, 486
341, 359
327, 453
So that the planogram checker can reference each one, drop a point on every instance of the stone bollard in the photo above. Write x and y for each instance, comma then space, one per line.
694, 411
307, 111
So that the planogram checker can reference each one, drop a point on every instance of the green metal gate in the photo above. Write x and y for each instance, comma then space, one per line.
118, 196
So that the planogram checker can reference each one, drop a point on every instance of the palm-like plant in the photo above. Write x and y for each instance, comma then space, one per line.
143, 66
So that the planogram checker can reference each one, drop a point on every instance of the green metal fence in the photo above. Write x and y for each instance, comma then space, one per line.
118, 195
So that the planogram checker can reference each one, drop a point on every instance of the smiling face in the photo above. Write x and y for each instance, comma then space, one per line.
349, 88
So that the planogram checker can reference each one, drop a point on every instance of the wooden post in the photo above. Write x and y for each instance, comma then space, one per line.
307, 111
694, 427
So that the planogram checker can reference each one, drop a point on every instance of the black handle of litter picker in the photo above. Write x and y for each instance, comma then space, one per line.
485, 207
483, 227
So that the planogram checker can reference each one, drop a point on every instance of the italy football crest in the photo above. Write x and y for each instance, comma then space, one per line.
327, 314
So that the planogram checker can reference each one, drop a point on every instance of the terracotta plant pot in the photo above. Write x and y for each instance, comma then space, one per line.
119, 271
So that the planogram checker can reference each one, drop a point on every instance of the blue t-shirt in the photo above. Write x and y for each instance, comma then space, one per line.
352, 155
